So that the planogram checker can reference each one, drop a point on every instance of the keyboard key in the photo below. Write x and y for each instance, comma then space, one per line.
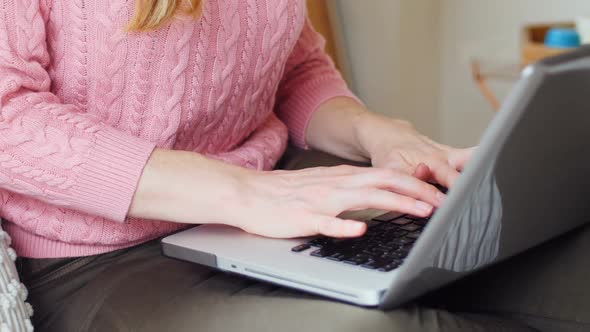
355, 261
393, 265
373, 223
406, 240
404, 251
399, 233
319, 242
336, 257
319, 253
402, 221
383, 260
394, 255
301, 247
370, 265
375, 252
388, 226
388, 246
387, 268
414, 235
396, 243
388, 216
421, 222
411, 227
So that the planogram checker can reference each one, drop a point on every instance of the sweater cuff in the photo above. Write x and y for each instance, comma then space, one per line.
110, 175
297, 111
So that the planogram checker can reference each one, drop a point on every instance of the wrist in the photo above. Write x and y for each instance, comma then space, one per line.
333, 128
363, 128
359, 125
373, 129
186, 187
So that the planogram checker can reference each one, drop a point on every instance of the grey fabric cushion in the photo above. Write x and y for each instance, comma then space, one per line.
15, 313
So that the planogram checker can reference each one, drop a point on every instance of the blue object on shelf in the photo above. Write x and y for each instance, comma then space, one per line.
563, 38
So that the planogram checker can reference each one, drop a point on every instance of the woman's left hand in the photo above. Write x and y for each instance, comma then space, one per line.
396, 144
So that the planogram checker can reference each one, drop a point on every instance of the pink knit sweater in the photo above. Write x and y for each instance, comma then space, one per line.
83, 104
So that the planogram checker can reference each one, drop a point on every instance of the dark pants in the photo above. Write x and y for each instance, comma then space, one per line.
137, 289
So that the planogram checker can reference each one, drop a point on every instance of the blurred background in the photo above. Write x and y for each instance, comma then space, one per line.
413, 59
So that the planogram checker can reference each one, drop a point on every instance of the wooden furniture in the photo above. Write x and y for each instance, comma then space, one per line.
533, 42
320, 18
533, 49
486, 70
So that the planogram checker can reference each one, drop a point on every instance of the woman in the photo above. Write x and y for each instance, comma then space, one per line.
124, 121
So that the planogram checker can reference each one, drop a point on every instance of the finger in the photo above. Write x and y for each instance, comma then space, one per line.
338, 228
324, 172
459, 158
422, 172
397, 182
443, 173
383, 200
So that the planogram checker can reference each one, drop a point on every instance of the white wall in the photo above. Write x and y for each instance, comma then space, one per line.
371, 36
393, 57
410, 58
419, 72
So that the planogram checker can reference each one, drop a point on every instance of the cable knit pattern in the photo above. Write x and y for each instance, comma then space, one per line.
83, 103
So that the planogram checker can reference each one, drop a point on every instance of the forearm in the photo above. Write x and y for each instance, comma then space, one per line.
186, 187
335, 128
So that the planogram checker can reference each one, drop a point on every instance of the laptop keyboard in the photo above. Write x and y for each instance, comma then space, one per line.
384, 247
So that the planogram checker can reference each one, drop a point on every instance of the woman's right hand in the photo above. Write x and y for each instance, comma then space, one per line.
287, 204
188, 188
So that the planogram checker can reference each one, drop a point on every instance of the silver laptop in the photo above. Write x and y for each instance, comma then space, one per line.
526, 184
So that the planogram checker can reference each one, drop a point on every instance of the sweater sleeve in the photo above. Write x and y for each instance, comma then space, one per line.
309, 80
51, 151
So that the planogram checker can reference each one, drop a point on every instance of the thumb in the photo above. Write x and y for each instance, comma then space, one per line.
338, 228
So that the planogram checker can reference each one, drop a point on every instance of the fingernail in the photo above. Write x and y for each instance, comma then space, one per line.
356, 227
441, 197
424, 207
